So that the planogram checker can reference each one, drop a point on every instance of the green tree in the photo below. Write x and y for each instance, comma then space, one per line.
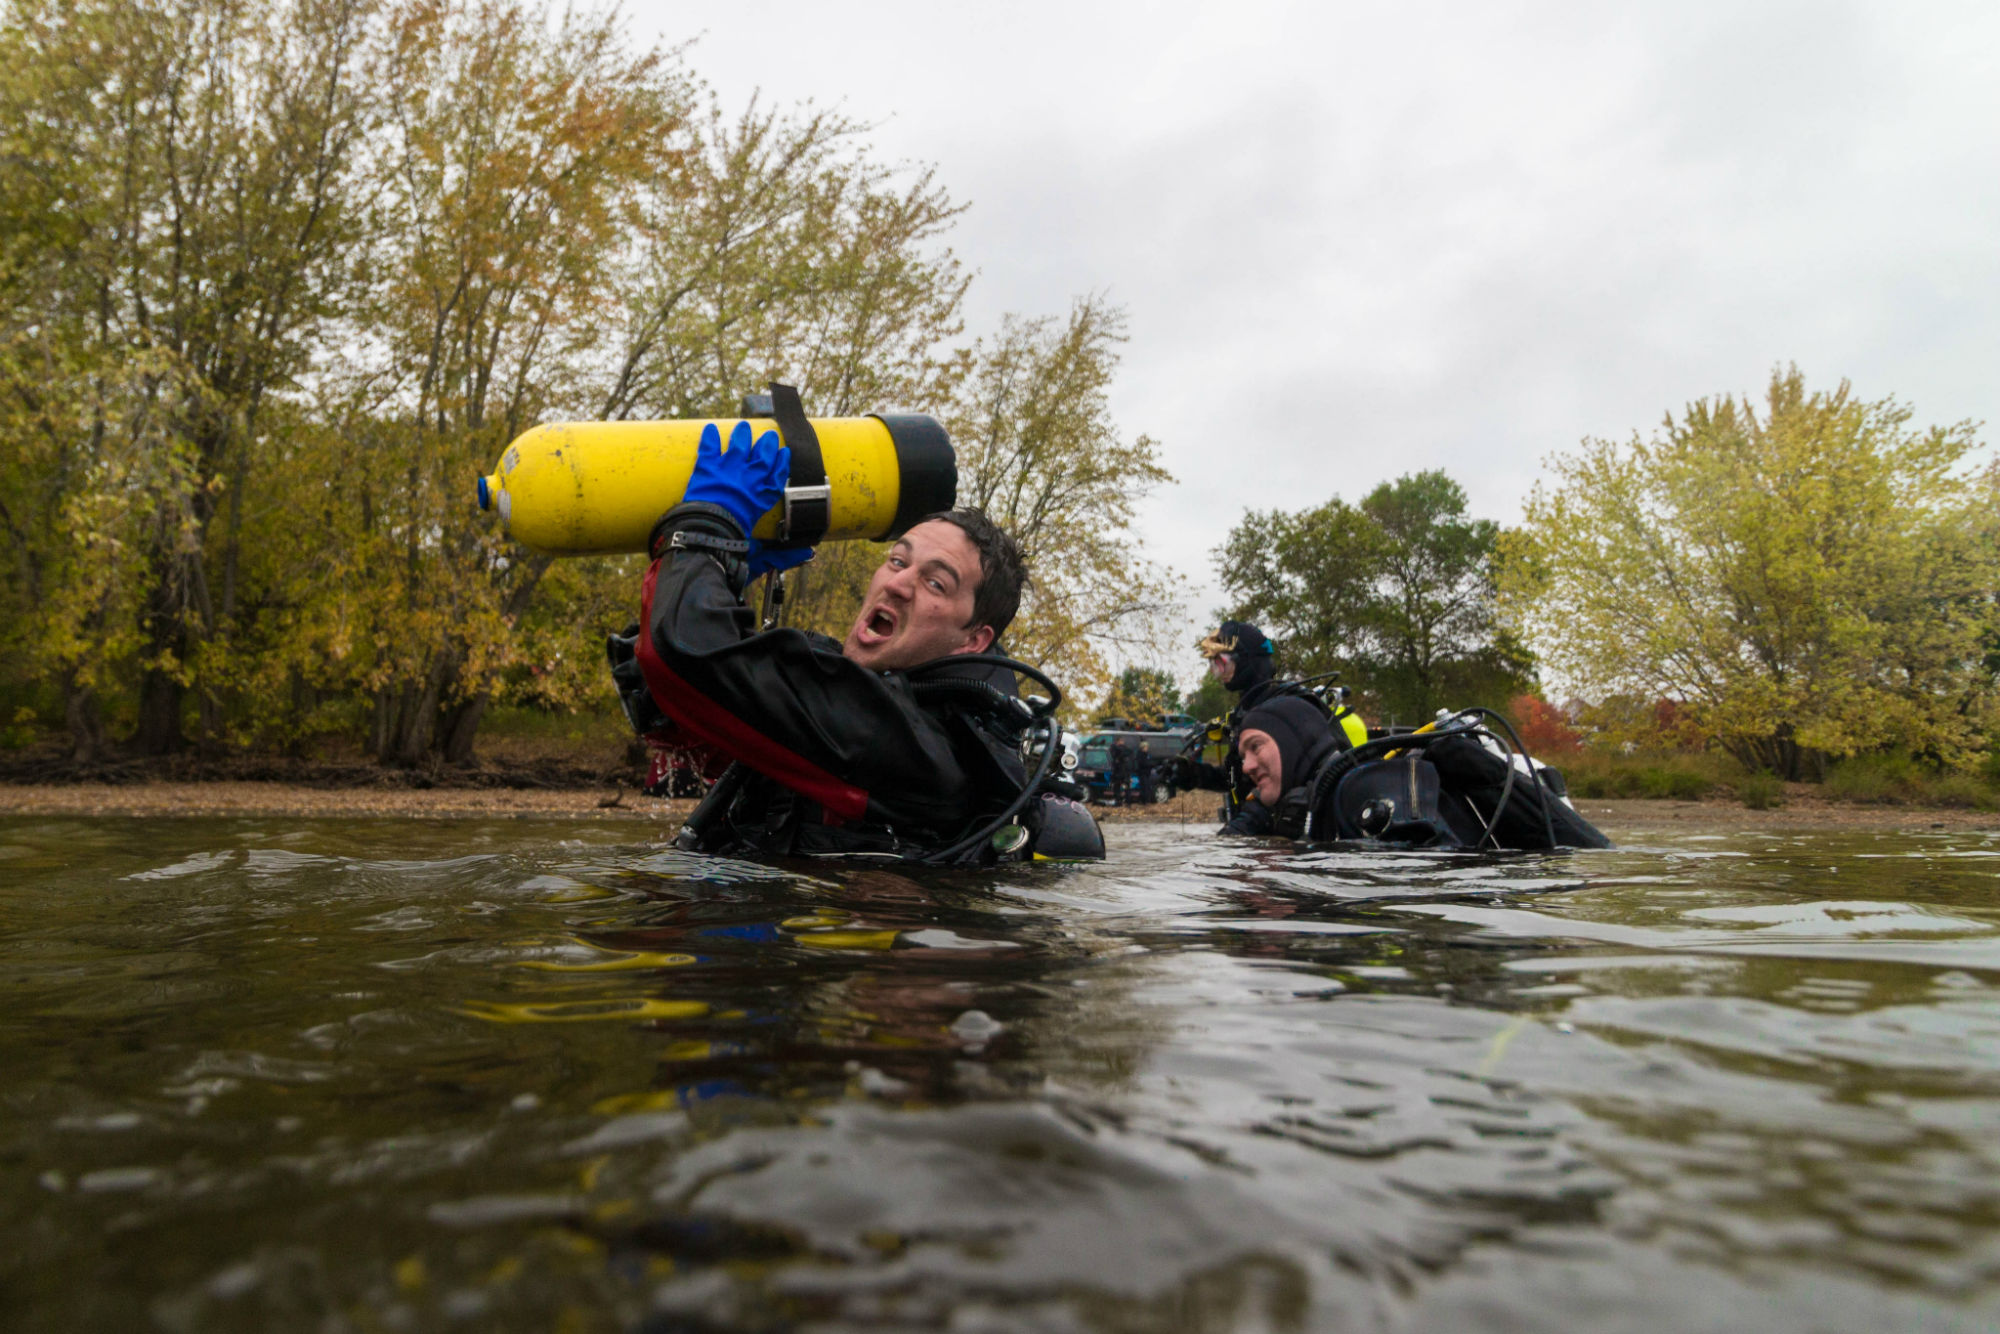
1208, 700
1812, 580
517, 151
1395, 593
1436, 636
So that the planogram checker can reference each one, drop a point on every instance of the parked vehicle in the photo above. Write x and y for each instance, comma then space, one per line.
1093, 762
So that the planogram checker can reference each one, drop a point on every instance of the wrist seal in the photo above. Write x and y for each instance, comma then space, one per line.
697, 517
697, 526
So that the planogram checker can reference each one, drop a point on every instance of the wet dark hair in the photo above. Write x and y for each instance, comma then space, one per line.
1003, 571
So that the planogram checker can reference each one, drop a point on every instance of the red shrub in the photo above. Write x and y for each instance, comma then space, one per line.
1544, 730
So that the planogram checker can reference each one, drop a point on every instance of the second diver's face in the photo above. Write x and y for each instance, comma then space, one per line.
920, 602
1224, 667
1263, 765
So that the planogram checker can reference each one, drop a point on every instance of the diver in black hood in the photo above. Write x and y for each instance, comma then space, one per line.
1240, 656
1459, 784
1281, 743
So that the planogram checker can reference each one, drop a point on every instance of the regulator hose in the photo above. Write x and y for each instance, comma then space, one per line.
1051, 743
1541, 792
1041, 709
1041, 715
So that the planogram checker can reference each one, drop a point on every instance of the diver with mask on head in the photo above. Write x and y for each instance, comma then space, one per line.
1241, 657
907, 740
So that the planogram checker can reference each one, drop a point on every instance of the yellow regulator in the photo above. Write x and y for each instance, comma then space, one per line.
584, 488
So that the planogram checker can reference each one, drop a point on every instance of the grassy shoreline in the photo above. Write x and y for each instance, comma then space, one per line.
1618, 817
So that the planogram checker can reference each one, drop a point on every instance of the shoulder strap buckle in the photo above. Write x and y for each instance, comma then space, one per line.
798, 522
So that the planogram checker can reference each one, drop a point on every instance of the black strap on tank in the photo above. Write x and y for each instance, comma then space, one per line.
808, 500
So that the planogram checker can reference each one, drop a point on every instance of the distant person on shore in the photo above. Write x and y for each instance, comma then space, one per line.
1121, 771
1143, 767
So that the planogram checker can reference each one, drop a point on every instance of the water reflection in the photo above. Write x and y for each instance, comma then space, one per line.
533, 1077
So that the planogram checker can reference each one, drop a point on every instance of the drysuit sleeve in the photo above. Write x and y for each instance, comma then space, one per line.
1252, 818
787, 704
1191, 774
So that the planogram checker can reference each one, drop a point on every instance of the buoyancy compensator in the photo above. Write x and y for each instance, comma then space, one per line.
1458, 784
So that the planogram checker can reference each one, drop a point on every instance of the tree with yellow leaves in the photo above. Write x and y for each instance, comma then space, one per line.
1811, 580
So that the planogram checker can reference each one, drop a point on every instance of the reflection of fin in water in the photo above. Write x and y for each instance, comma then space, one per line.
579, 894
624, 1104
846, 940
816, 918
573, 1012
817, 930
611, 961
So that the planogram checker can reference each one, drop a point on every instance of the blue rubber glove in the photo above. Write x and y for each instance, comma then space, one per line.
766, 560
747, 479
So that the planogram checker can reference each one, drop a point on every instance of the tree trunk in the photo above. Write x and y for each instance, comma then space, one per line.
418, 724
208, 724
159, 730
296, 709
461, 725
397, 707
86, 723
379, 725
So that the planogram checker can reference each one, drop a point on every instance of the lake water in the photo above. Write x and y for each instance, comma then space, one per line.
548, 1076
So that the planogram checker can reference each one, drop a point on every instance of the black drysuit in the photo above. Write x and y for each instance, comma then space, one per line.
844, 759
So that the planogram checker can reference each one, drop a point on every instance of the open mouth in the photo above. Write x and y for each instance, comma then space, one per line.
879, 625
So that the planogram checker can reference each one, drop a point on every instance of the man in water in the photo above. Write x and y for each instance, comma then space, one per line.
1240, 656
1283, 742
839, 747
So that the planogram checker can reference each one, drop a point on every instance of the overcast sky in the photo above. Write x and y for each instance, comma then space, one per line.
1355, 241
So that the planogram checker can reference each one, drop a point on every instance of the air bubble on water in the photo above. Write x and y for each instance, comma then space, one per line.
235, 1280
976, 1026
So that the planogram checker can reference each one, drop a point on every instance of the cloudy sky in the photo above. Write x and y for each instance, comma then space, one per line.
1356, 241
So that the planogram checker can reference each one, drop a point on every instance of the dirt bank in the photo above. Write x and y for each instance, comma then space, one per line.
297, 801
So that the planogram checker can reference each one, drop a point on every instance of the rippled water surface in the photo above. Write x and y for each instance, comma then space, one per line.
512, 1075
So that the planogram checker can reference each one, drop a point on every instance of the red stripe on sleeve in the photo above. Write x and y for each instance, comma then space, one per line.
730, 734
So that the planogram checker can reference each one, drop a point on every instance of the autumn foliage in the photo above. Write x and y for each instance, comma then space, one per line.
279, 281
1544, 730
1807, 578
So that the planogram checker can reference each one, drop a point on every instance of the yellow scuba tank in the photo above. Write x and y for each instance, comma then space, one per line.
581, 488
